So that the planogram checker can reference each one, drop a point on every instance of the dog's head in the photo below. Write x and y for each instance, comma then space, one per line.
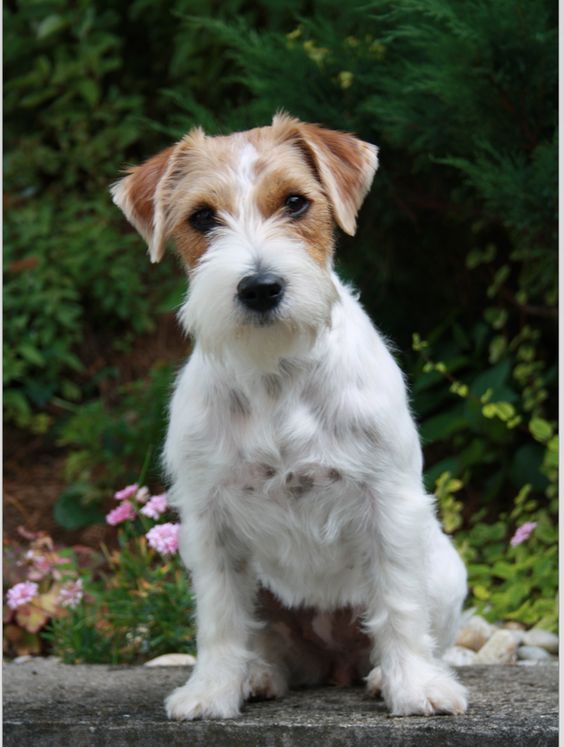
252, 216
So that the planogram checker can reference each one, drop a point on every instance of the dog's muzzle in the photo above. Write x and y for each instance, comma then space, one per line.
262, 291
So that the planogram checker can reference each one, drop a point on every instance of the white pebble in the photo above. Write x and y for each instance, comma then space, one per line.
172, 660
458, 656
541, 638
23, 659
533, 653
474, 633
500, 649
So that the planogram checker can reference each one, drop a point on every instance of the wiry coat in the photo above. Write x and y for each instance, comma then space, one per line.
295, 464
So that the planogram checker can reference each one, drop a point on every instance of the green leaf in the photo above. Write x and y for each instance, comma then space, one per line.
89, 91
481, 592
71, 510
31, 354
443, 426
526, 467
50, 25
541, 429
494, 378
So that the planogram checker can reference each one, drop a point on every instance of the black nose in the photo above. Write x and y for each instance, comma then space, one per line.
261, 292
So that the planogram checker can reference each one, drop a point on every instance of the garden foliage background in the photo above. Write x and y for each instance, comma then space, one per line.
455, 256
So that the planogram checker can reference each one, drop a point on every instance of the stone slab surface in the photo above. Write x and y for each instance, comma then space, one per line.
48, 704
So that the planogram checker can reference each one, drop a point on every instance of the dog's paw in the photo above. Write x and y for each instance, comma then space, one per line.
195, 701
374, 682
423, 691
264, 682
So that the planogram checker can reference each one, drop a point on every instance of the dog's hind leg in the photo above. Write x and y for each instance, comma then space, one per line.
446, 590
267, 674
400, 612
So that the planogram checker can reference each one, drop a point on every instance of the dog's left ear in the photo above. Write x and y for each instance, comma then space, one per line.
135, 194
144, 195
345, 165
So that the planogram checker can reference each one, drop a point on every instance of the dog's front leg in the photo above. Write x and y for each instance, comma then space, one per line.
224, 594
411, 680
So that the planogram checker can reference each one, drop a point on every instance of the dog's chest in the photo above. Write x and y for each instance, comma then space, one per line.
301, 507
289, 448
295, 487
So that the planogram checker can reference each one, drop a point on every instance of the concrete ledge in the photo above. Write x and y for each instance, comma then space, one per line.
50, 704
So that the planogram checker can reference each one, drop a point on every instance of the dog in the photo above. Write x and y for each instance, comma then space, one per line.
295, 464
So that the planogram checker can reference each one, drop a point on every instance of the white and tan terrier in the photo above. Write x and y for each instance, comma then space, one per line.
315, 552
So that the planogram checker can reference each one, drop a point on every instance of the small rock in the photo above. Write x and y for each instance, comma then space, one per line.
518, 635
541, 638
500, 649
513, 625
474, 634
23, 659
172, 660
533, 653
458, 656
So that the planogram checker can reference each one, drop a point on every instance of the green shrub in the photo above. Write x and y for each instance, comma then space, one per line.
71, 271
90, 88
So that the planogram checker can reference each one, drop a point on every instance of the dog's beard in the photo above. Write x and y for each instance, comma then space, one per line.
224, 329
261, 347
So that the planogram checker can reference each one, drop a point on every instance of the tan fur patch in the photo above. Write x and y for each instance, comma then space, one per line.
285, 172
344, 164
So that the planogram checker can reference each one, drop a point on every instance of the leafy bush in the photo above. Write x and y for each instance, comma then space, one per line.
70, 270
509, 579
82, 81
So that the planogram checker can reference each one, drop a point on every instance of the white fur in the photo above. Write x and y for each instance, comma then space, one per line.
295, 463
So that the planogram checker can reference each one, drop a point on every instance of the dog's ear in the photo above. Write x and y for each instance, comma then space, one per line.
136, 195
344, 164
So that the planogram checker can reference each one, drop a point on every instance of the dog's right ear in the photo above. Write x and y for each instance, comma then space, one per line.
136, 195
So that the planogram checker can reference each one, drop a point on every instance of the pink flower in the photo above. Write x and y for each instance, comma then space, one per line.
155, 507
164, 538
123, 512
42, 565
71, 593
523, 533
21, 594
126, 492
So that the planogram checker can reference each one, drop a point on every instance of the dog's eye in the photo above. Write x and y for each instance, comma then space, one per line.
296, 205
204, 219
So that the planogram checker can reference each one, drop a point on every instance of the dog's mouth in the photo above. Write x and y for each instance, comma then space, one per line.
260, 318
